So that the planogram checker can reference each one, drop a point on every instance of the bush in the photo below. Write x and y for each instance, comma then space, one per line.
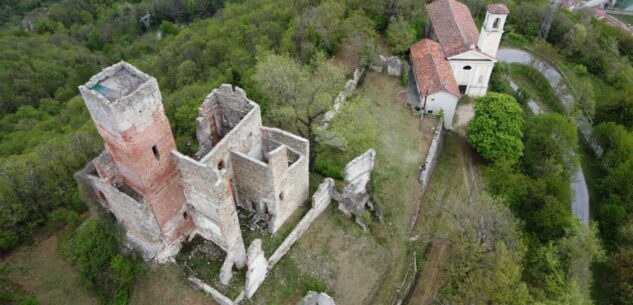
400, 35
496, 130
8, 240
102, 267
61, 217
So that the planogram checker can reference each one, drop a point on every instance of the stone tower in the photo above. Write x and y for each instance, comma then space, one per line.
126, 107
492, 29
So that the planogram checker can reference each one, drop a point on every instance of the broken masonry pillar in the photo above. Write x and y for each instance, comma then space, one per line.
355, 196
257, 267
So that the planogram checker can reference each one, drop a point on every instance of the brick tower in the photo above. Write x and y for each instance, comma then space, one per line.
126, 107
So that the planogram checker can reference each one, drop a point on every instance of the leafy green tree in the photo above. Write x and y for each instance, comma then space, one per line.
496, 130
400, 35
299, 96
549, 138
620, 265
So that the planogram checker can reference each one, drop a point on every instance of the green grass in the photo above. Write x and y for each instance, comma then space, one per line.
624, 18
536, 86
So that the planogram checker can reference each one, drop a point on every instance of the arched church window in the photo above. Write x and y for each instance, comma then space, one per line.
495, 25
467, 67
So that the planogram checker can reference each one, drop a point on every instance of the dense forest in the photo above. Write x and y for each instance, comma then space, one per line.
48, 48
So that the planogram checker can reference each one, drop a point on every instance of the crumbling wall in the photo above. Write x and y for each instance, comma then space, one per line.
255, 185
133, 213
222, 111
291, 177
257, 268
350, 86
210, 202
432, 156
355, 196
216, 295
320, 201
243, 137
316, 298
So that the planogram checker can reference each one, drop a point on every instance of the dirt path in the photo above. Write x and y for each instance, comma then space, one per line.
456, 179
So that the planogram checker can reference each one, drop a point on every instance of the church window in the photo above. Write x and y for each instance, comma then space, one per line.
467, 67
495, 25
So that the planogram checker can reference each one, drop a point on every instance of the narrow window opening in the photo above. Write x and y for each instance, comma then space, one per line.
156, 153
467, 67
102, 198
430, 111
495, 25
281, 196
221, 165
185, 216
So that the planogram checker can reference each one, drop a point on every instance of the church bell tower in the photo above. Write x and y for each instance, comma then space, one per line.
492, 29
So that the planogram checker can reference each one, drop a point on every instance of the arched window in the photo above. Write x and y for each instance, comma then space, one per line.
467, 67
495, 25
221, 165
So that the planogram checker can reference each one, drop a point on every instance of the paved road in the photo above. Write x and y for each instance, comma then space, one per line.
580, 201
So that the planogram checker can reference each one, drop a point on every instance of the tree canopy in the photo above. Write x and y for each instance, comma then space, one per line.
497, 128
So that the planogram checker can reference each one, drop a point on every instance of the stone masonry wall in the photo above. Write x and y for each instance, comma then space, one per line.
245, 138
253, 179
210, 203
432, 156
134, 215
320, 201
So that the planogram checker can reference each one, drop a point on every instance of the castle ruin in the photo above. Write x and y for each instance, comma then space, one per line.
163, 197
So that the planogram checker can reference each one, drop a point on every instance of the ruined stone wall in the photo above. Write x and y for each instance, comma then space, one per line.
133, 214
296, 143
350, 86
254, 181
245, 137
321, 199
257, 268
291, 182
432, 156
211, 205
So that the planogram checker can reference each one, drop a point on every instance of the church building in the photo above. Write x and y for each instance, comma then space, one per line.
455, 59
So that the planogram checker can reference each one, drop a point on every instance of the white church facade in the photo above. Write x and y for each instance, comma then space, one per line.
455, 59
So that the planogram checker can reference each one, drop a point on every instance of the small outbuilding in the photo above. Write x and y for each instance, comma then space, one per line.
434, 79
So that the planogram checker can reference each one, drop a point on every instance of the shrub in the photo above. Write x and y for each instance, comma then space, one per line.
496, 130
8, 240
60, 217
400, 35
102, 267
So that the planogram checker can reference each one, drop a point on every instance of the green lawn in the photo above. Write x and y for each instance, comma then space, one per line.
40, 270
536, 86
357, 267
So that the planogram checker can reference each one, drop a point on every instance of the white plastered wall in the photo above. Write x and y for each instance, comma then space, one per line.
441, 101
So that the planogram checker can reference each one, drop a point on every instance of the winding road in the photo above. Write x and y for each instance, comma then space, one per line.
580, 201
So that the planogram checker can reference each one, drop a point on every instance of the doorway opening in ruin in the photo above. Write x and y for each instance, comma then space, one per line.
221, 165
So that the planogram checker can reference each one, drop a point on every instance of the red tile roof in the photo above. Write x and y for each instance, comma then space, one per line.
453, 25
432, 71
499, 9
